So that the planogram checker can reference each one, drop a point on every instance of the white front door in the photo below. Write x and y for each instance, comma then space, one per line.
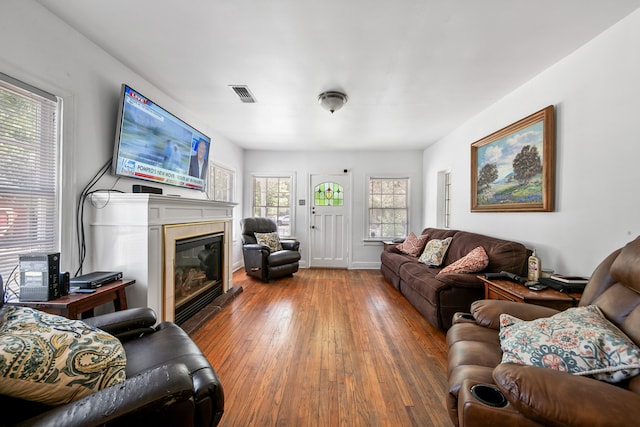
329, 224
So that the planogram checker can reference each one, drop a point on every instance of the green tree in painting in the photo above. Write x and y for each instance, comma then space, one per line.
487, 175
527, 164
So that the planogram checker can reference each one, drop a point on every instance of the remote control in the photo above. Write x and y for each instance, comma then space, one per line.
505, 275
85, 291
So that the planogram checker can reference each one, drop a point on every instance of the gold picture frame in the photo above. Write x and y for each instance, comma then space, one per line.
512, 170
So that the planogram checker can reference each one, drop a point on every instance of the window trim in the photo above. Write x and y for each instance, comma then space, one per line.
56, 134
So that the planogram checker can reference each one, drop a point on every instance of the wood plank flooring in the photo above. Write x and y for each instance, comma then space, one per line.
326, 348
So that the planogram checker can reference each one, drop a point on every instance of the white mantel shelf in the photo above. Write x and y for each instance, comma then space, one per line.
156, 209
127, 234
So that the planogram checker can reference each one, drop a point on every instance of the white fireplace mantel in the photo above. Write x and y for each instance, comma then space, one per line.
127, 234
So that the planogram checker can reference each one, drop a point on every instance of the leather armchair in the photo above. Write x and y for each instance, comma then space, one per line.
536, 396
169, 382
259, 261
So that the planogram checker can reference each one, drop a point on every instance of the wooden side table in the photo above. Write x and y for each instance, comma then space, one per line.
386, 244
74, 305
511, 291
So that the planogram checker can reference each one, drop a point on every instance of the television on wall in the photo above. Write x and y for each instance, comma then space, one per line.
154, 145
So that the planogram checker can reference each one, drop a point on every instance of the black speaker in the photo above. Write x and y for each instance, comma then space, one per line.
63, 283
39, 275
146, 189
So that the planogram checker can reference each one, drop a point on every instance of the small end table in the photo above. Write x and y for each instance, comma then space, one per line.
511, 291
75, 305
386, 244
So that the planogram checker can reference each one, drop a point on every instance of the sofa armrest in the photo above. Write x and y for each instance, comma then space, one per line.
557, 398
124, 323
487, 311
290, 244
461, 280
160, 396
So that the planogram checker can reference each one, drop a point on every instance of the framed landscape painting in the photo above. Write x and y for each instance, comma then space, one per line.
512, 170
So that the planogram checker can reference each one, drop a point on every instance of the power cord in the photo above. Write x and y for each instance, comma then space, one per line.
86, 192
11, 286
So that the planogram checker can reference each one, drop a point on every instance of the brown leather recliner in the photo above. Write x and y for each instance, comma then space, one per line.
169, 381
519, 395
259, 261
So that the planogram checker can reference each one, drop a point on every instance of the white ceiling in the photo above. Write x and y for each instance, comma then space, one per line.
413, 70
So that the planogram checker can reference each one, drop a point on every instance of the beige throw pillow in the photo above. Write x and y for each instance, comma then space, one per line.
435, 251
270, 239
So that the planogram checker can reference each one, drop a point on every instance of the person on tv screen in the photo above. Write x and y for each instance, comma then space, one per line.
198, 164
171, 159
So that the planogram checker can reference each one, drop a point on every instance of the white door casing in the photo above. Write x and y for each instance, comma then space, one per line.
330, 223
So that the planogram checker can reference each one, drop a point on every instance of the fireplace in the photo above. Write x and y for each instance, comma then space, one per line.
194, 267
137, 233
197, 274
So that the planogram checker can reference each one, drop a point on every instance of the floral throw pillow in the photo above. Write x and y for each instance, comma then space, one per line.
413, 245
580, 341
434, 252
270, 239
474, 261
54, 360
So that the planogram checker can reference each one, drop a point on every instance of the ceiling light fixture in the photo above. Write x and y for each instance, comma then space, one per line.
332, 100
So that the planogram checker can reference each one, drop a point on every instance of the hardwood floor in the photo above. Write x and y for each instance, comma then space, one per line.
326, 348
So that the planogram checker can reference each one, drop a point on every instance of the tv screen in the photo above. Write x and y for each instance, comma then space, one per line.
154, 145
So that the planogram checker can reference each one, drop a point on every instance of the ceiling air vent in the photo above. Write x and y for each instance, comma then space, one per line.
243, 93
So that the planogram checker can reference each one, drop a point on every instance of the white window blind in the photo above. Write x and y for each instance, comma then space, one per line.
29, 175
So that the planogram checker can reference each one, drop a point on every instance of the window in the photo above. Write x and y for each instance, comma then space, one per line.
221, 184
388, 207
272, 199
328, 194
447, 200
29, 177
443, 217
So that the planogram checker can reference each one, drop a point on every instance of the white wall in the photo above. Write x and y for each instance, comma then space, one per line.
39, 49
596, 91
360, 165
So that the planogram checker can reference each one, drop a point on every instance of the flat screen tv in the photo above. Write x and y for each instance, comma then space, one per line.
154, 145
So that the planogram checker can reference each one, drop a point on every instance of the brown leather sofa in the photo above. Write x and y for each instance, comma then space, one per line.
438, 298
537, 396
169, 382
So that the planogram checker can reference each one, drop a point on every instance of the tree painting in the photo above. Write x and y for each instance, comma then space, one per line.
510, 168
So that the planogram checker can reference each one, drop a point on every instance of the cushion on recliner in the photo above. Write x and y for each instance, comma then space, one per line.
270, 239
54, 360
579, 340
